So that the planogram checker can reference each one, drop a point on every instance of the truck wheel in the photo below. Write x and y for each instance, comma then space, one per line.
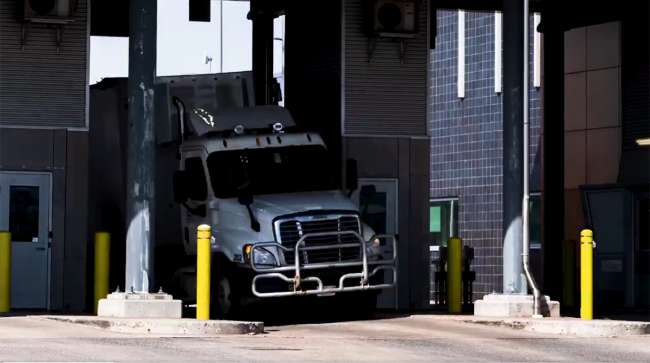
226, 302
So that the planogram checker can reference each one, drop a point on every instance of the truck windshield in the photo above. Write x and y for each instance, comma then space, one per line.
271, 171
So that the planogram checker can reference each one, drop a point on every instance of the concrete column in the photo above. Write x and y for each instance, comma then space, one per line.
262, 16
553, 146
514, 281
141, 146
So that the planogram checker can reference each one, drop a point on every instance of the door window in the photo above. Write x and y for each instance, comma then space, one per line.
23, 213
197, 186
443, 221
372, 206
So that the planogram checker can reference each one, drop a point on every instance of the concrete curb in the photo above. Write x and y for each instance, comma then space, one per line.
570, 326
180, 327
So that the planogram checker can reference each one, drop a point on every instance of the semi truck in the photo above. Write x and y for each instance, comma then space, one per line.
283, 224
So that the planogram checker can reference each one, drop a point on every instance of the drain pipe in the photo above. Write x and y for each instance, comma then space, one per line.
525, 203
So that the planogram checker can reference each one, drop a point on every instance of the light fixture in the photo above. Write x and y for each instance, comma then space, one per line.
643, 141
239, 129
277, 127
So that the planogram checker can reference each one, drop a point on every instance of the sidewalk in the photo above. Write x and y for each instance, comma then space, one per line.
561, 326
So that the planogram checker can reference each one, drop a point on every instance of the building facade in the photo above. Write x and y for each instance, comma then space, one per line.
465, 125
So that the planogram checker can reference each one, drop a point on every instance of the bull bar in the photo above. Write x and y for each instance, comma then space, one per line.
297, 267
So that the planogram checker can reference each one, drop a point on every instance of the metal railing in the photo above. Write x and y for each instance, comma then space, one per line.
298, 281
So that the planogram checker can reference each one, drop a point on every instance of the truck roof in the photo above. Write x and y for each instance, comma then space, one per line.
261, 141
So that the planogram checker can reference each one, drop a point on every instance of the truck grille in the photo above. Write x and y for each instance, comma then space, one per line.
290, 231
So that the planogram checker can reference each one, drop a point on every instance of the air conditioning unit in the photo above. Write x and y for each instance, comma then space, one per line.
393, 18
46, 11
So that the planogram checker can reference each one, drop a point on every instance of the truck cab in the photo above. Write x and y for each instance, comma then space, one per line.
281, 224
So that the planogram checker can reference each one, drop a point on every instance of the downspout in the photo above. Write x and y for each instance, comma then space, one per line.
526, 195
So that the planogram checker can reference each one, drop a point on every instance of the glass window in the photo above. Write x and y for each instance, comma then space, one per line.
535, 221
23, 213
372, 206
275, 170
443, 221
197, 185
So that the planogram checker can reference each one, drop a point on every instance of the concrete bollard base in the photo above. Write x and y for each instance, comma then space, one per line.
514, 306
140, 305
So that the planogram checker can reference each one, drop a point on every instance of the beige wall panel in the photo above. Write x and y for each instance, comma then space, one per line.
574, 159
575, 101
603, 45
575, 50
603, 98
603, 155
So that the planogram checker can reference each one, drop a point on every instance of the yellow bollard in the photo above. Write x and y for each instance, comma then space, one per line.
454, 275
102, 265
586, 274
5, 272
203, 255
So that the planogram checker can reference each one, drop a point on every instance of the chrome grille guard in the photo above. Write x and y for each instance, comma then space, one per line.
297, 267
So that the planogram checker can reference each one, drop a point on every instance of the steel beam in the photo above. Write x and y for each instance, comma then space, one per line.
141, 146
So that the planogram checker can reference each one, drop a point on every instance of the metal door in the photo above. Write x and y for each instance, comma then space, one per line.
25, 212
377, 202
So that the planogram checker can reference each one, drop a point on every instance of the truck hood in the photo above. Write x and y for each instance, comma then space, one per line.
268, 207
279, 204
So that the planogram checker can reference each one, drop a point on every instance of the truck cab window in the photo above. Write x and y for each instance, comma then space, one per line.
291, 169
197, 184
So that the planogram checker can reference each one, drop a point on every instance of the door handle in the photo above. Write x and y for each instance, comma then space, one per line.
40, 248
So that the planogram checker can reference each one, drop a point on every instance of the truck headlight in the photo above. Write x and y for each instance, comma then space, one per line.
373, 247
263, 257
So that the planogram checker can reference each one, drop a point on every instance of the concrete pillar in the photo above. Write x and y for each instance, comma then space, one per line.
553, 146
262, 17
514, 281
141, 146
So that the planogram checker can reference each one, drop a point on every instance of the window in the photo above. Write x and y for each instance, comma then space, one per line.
498, 52
460, 80
197, 185
275, 170
278, 52
23, 213
443, 221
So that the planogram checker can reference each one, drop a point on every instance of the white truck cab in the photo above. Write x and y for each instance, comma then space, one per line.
281, 224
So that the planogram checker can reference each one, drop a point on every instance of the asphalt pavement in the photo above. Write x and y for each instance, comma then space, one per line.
417, 338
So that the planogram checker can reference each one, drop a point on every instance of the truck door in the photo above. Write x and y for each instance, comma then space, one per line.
194, 212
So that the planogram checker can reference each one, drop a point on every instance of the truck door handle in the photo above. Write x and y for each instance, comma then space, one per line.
40, 248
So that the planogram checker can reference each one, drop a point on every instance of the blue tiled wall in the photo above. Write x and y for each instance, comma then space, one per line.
466, 140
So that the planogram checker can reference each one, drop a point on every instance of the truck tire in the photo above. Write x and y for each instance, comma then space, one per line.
226, 301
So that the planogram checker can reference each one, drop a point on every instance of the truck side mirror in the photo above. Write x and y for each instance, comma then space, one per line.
180, 186
351, 175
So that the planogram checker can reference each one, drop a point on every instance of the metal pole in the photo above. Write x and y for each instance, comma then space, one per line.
5, 272
203, 255
220, 36
454, 275
141, 146
586, 274
514, 281
102, 266
526, 172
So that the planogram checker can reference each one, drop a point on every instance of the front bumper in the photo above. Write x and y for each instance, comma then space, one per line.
299, 283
